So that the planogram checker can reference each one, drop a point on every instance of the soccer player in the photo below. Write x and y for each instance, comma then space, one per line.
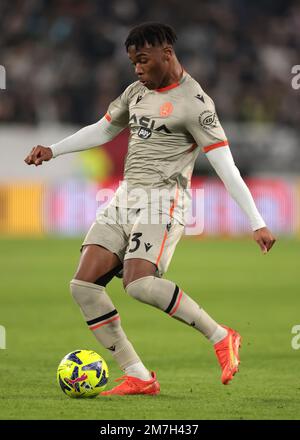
170, 119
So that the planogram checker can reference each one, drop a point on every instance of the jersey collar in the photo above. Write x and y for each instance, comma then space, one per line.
174, 85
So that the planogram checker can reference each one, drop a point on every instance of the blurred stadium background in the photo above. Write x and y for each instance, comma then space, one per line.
65, 61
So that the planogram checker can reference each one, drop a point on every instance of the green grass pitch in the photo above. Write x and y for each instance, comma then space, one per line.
256, 294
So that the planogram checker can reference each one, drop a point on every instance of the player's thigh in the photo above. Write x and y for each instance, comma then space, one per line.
102, 252
95, 263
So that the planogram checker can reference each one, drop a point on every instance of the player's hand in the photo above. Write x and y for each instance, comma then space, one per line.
38, 155
264, 238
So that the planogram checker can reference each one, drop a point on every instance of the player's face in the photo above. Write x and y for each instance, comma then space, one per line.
152, 64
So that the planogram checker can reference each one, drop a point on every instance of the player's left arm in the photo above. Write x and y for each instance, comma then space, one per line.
203, 124
222, 161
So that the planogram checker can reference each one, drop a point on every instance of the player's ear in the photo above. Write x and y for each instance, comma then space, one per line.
167, 53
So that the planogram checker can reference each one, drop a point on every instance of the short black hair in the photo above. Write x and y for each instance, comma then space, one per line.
152, 33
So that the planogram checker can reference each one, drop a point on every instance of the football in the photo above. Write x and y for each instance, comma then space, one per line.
82, 373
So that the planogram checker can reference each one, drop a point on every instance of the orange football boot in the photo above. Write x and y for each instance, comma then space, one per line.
133, 385
227, 352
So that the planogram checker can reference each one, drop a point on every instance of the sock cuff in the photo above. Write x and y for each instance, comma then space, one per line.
150, 277
88, 285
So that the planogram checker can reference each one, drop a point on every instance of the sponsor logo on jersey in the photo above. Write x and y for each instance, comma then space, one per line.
208, 119
166, 109
144, 133
148, 124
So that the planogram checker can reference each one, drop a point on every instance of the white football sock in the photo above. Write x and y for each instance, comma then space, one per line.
138, 370
219, 334
167, 296
104, 321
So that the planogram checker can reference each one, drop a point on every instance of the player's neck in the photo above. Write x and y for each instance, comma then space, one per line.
174, 75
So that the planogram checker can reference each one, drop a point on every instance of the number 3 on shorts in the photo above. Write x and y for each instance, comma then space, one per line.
136, 240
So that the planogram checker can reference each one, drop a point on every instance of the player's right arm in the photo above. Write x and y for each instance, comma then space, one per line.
115, 120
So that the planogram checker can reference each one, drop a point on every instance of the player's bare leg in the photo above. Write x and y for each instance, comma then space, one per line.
140, 282
95, 262
96, 268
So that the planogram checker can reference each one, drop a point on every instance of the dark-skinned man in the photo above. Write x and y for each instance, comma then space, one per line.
170, 119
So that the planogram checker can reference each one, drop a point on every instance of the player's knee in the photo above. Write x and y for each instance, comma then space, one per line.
141, 289
101, 280
82, 291
95, 304
81, 275
104, 279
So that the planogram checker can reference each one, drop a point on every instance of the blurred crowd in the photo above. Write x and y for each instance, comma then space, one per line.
65, 59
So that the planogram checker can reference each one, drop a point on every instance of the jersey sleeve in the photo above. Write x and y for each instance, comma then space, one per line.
203, 124
118, 110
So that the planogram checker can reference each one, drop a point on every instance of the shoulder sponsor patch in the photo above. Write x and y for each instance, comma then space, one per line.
208, 119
